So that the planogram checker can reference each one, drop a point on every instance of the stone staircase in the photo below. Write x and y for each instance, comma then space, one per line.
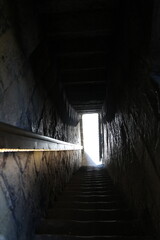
91, 208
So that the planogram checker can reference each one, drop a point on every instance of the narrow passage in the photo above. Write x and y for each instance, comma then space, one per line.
91, 208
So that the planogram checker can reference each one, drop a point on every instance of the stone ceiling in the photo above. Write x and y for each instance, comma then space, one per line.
79, 35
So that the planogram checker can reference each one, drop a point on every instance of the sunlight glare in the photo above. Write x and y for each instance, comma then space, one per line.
91, 136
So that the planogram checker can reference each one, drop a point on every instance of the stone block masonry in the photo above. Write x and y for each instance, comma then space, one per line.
29, 183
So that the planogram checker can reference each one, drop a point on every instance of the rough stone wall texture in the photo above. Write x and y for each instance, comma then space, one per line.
132, 151
27, 180
132, 127
155, 44
24, 102
29, 183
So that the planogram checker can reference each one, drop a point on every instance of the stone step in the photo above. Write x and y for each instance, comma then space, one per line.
90, 188
66, 237
90, 214
91, 208
89, 205
89, 198
91, 176
90, 228
89, 184
94, 178
89, 192
83, 176
93, 182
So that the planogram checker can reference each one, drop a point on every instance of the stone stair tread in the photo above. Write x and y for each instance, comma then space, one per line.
90, 177
70, 227
92, 186
92, 198
66, 237
90, 190
95, 179
90, 181
90, 214
89, 193
85, 205
100, 187
100, 210
90, 207
89, 184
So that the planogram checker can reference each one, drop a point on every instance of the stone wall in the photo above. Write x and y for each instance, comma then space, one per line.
28, 180
24, 101
132, 151
29, 183
131, 118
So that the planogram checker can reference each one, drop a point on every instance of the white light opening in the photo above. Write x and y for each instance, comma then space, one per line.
91, 138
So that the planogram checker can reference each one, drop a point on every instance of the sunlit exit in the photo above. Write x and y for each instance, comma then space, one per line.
91, 137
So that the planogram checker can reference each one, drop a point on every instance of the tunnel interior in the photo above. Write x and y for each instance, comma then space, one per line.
59, 60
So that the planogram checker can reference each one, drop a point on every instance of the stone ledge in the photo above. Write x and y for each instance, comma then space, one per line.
16, 139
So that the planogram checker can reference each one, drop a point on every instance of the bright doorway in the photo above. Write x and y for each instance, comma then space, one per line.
91, 138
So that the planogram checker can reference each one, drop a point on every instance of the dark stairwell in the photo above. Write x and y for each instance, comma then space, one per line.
58, 60
91, 207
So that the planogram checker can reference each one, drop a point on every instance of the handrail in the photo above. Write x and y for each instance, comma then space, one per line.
16, 139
